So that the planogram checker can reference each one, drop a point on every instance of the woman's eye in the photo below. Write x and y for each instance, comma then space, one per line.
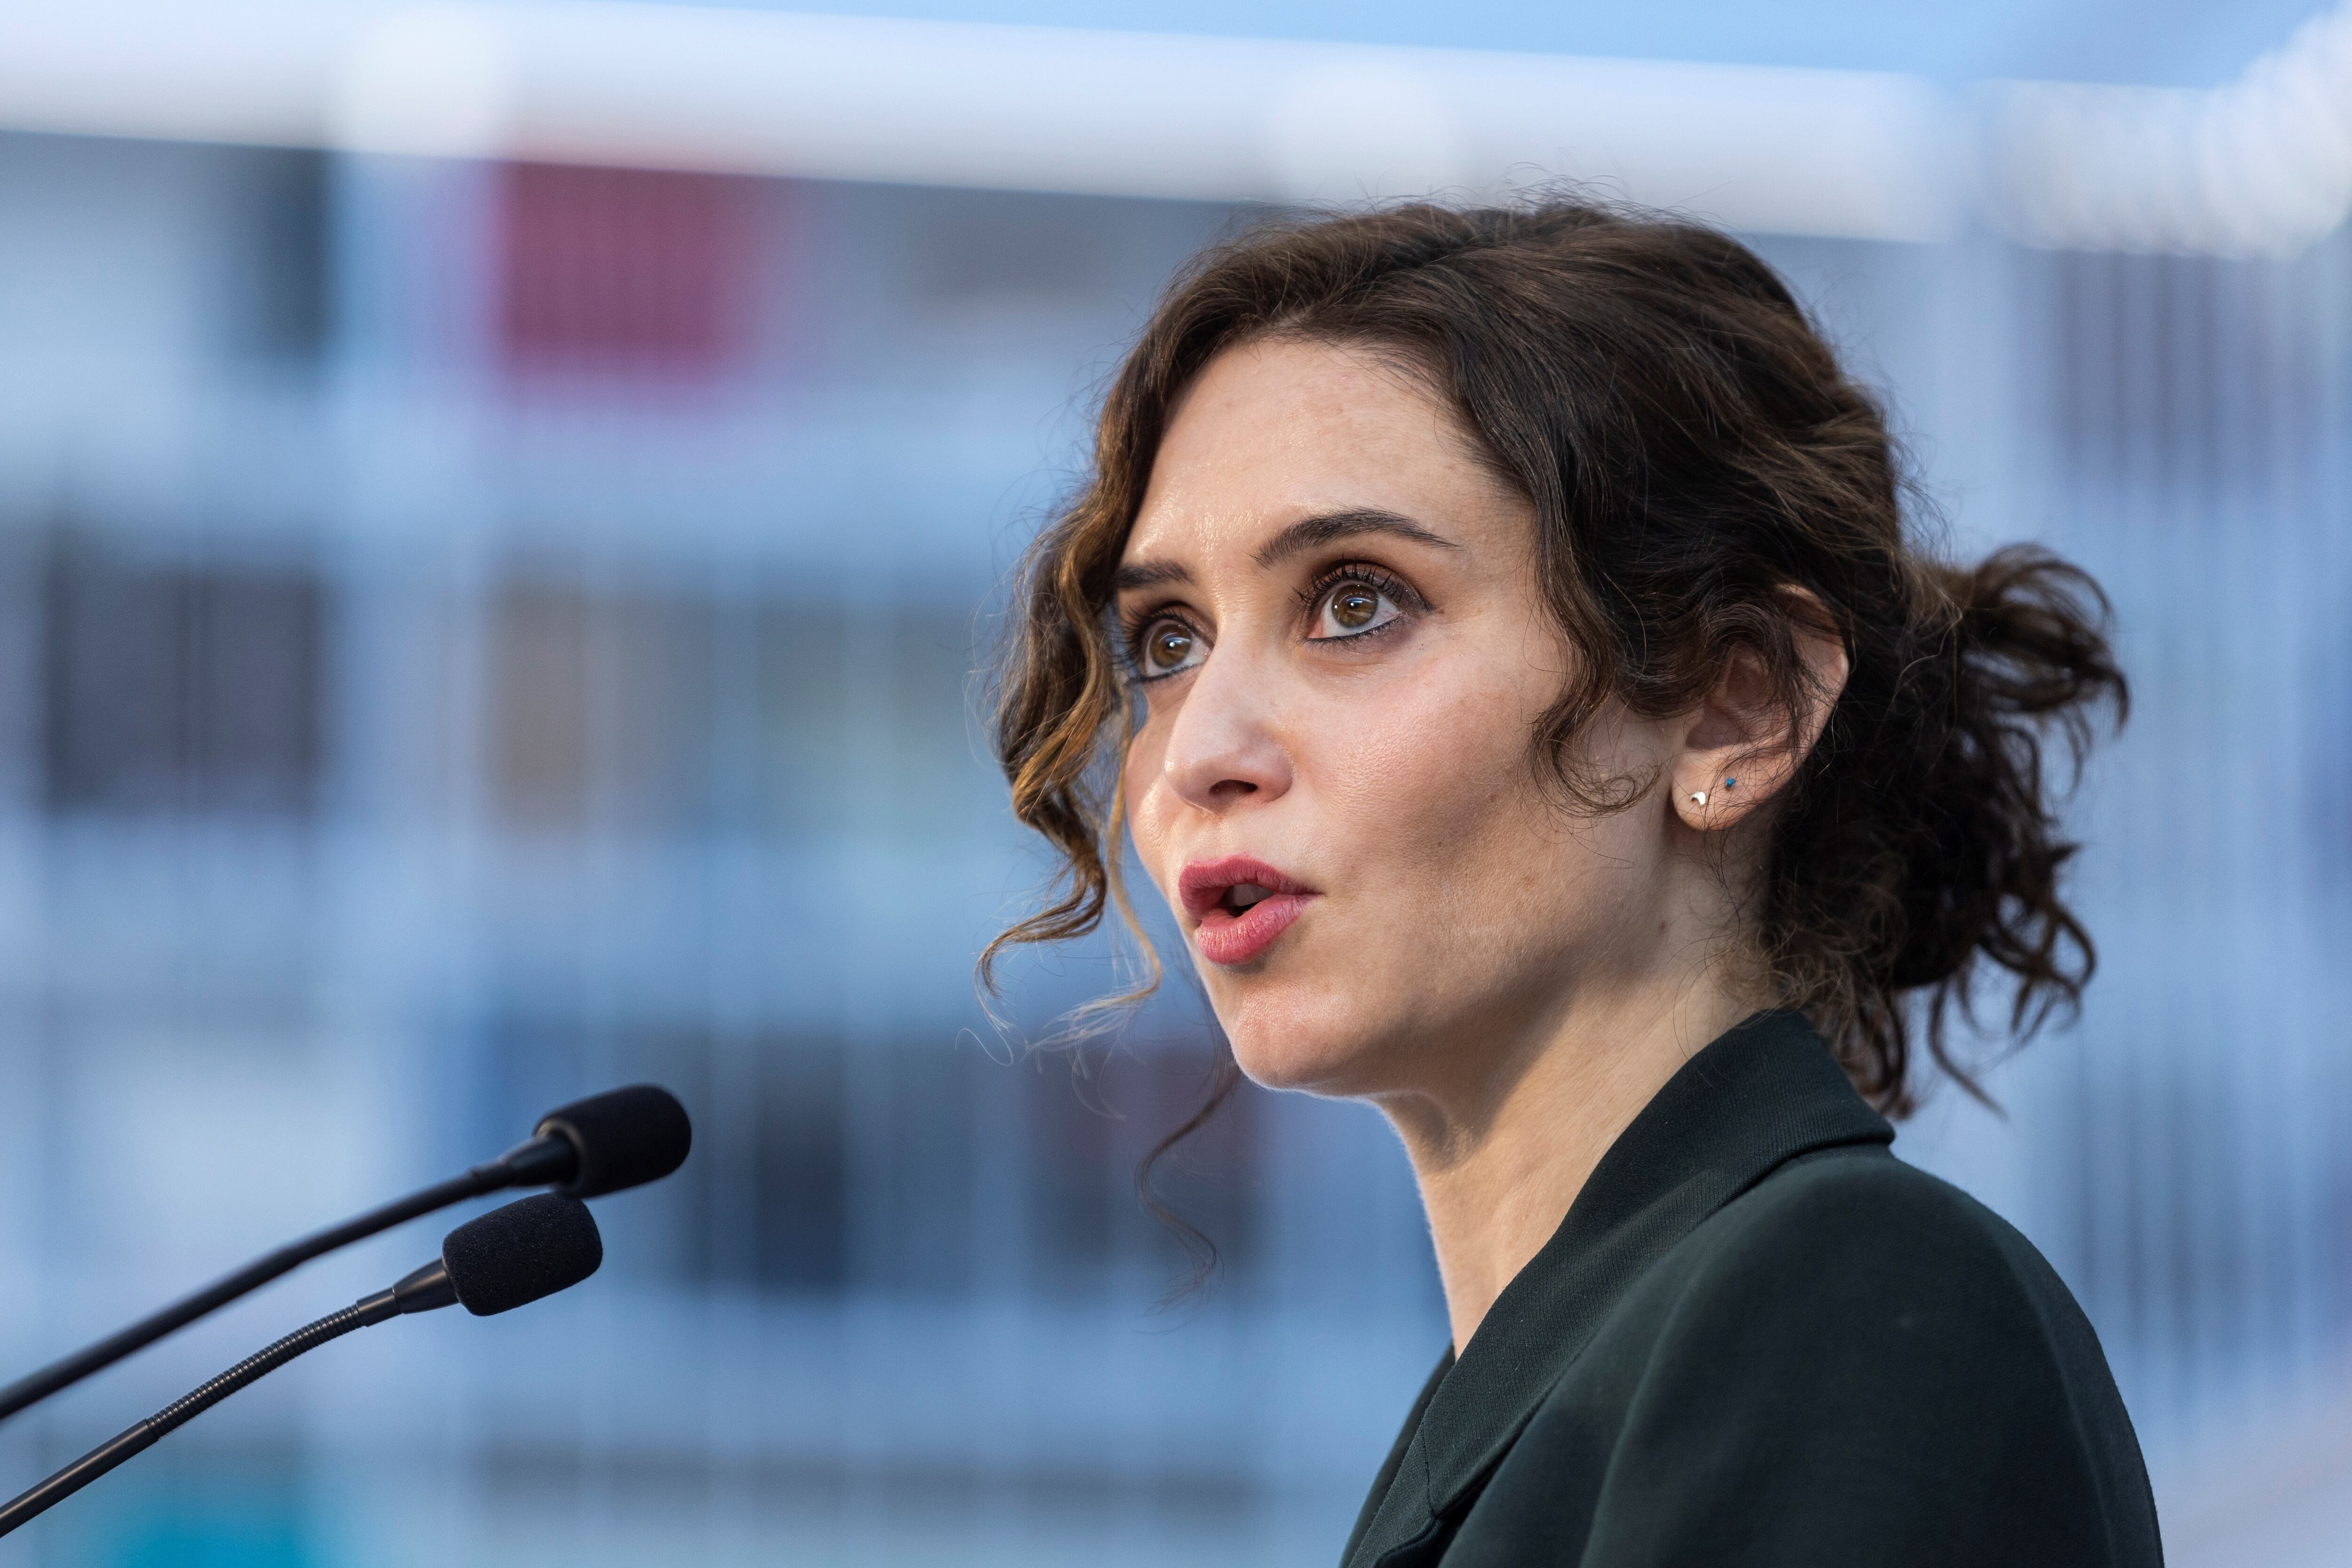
1170, 646
1352, 609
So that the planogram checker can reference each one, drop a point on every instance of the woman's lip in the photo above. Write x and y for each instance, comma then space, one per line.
1201, 885
1227, 938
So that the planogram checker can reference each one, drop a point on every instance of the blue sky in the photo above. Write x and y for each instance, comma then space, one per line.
2189, 43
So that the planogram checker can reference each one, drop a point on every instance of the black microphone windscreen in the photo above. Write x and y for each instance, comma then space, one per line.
511, 1257
624, 1137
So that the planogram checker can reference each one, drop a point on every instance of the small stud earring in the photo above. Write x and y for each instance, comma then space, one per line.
1731, 783
1699, 795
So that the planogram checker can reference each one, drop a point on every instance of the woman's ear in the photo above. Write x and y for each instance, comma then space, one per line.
1742, 745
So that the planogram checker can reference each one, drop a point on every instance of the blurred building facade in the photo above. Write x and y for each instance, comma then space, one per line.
471, 634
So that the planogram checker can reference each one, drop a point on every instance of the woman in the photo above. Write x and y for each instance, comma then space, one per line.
1497, 632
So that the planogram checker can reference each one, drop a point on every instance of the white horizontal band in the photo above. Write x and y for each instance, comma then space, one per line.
2262, 165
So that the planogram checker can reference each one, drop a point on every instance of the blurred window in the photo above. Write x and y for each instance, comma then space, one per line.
600, 709
624, 271
868, 721
2170, 372
798, 1162
799, 784
925, 1109
816, 1165
1081, 1177
669, 712
821, 1165
279, 300
1092, 1121
178, 687
1017, 254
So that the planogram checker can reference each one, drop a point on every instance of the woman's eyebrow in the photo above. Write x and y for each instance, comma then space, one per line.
1308, 533
1147, 574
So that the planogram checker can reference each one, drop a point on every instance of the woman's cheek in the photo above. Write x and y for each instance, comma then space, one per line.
1422, 761
1143, 790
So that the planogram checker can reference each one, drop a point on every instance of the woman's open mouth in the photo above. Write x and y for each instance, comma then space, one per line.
1241, 905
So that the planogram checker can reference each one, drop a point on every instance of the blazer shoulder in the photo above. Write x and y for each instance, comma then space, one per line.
1871, 1276
1851, 1315
1862, 1208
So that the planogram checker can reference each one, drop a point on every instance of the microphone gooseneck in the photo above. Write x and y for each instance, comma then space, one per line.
504, 1259
601, 1144
140, 1439
72, 1369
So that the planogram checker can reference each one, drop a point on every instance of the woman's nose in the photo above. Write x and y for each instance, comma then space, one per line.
1224, 747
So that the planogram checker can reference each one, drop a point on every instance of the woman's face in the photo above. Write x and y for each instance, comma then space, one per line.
1331, 606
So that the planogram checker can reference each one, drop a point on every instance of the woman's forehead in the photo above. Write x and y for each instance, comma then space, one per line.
1273, 432
1293, 399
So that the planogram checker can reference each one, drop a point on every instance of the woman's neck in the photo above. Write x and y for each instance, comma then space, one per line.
1498, 1170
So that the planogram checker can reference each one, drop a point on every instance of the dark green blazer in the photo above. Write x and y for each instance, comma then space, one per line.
1758, 1338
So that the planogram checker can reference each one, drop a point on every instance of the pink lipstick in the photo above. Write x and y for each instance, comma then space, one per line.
1239, 905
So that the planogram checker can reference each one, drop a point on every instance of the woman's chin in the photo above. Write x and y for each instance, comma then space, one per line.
1318, 1017
1307, 1048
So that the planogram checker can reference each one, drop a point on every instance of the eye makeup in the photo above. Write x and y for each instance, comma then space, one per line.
1156, 642
1346, 602
1349, 596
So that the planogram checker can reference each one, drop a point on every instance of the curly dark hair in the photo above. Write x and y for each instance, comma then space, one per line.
1693, 451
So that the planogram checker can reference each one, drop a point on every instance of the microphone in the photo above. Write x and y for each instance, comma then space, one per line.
622, 1138
506, 1259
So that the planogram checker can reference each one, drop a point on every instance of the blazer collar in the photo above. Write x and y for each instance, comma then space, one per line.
1762, 1094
